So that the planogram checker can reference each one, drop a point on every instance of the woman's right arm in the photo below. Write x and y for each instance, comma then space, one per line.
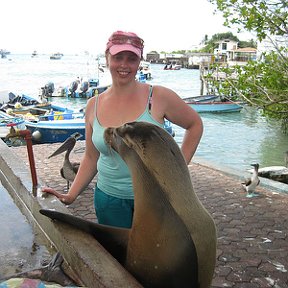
88, 164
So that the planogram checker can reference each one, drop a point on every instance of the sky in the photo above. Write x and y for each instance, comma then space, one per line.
70, 26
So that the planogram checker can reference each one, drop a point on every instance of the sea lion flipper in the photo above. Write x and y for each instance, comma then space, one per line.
113, 239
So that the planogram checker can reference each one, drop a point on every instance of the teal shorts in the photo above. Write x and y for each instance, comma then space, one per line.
113, 211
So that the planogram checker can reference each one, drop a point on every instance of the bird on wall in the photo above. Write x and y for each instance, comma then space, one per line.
69, 169
251, 183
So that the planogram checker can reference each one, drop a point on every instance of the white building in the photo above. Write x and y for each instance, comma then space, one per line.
228, 52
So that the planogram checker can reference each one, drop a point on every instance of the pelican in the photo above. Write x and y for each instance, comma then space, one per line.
251, 183
69, 169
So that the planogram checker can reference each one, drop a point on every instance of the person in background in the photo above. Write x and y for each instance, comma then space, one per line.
126, 100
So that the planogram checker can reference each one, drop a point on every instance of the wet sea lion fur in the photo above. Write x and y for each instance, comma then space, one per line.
172, 242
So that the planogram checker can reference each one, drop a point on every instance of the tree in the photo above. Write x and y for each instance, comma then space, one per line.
260, 16
251, 43
263, 83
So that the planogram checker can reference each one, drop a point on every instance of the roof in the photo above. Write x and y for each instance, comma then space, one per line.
246, 49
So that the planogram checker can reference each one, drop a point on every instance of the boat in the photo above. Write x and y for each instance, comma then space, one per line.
52, 123
77, 89
56, 56
216, 106
4, 53
172, 67
145, 72
48, 123
59, 130
201, 98
53, 131
7, 121
28, 107
34, 54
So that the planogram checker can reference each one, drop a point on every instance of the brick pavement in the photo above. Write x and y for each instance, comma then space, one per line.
252, 249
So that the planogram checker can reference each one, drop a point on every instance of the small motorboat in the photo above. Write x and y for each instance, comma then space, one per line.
145, 70
216, 106
56, 56
55, 130
7, 121
201, 98
34, 54
213, 103
172, 67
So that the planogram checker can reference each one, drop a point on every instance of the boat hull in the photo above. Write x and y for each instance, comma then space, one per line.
216, 107
59, 130
56, 130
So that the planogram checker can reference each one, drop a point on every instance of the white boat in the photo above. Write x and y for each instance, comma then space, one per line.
34, 54
145, 70
56, 56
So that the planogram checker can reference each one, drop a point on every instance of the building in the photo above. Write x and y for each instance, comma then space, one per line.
167, 58
195, 60
228, 52
153, 57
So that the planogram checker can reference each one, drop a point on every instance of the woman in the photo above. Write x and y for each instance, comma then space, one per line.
126, 100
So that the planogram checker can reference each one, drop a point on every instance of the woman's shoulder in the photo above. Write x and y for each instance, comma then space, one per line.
91, 102
162, 91
160, 88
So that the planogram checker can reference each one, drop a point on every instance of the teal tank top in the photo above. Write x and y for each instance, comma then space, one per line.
114, 177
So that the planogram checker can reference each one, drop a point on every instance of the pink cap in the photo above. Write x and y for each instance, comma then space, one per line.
125, 41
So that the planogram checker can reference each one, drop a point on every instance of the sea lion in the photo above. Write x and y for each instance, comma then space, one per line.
172, 242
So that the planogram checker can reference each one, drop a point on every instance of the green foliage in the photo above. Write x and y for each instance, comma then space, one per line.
251, 43
260, 16
264, 83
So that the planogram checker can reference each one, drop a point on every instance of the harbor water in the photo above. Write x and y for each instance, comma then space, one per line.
233, 140
22, 248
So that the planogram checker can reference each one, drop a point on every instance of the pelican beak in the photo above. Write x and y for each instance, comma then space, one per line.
68, 144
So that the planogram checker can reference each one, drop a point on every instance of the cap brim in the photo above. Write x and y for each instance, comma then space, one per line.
115, 49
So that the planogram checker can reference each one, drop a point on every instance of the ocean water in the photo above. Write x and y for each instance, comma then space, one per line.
233, 140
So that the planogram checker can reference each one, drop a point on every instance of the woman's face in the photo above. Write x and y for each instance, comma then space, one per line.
123, 66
